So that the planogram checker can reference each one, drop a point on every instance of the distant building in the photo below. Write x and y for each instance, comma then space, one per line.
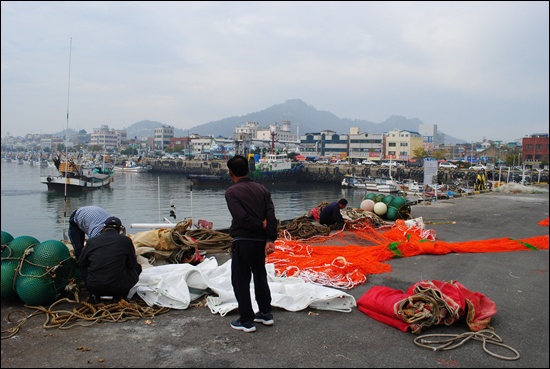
400, 144
363, 146
535, 149
324, 143
162, 137
282, 133
430, 136
249, 129
107, 138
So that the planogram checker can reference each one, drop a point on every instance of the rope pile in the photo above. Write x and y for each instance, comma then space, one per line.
86, 314
302, 228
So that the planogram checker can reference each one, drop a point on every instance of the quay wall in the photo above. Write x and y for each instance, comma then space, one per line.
311, 172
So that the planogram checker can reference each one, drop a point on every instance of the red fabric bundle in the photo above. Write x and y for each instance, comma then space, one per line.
428, 303
379, 302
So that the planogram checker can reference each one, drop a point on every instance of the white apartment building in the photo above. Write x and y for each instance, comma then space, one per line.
107, 138
282, 133
400, 144
162, 137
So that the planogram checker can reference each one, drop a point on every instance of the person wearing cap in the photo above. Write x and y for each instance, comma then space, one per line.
108, 263
85, 221
330, 214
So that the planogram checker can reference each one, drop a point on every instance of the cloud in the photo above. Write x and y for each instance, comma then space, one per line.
476, 69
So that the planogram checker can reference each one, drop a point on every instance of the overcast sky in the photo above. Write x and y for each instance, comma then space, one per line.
476, 69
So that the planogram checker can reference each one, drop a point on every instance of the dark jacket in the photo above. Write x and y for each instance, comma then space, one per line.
249, 203
109, 265
331, 214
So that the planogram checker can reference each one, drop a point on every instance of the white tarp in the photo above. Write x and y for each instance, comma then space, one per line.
177, 285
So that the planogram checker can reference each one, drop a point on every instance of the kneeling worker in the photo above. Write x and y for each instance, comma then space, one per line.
330, 214
108, 263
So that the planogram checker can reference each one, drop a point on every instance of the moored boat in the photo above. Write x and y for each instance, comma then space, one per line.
132, 167
370, 183
274, 169
78, 177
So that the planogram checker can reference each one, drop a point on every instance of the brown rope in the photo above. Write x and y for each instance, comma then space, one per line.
86, 314
487, 336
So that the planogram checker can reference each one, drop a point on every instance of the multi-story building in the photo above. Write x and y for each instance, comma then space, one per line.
162, 137
249, 129
324, 143
107, 138
282, 133
430, 136
400, 144
535, 149
364, 146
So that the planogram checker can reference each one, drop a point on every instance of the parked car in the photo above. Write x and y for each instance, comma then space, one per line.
447, 165
368, 162
392, 164
341, 162
478, 167
322, 161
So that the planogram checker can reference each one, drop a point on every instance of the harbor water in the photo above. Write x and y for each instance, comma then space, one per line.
28, 208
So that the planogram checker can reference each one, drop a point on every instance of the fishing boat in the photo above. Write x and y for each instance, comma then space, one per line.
273, 169
132, 167
78, 177
376, 184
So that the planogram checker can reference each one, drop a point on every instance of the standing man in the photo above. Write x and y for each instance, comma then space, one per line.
254, 230
85, 221
331, 213
108, 263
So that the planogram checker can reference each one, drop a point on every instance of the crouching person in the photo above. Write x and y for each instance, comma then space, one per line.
108, 263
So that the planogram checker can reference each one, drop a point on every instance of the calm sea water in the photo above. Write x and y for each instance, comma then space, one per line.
28, 208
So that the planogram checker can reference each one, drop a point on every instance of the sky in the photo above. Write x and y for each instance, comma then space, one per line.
478, 70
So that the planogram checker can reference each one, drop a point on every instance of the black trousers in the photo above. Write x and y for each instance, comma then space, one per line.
248, 260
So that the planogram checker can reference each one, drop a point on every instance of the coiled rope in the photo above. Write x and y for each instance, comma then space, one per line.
487, 336
210, 240
86, 314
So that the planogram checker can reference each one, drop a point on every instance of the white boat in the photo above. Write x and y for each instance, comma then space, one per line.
131, 166
370, 183
410, 185
74, 177
274, 163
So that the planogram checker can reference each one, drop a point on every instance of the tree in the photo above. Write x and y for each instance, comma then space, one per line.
438, 155
420, 153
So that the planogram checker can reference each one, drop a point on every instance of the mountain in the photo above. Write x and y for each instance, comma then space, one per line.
303, 118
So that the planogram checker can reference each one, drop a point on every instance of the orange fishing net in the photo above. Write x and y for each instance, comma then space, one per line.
345, 258
543, 222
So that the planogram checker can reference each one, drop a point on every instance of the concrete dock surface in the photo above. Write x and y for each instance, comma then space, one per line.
518, 282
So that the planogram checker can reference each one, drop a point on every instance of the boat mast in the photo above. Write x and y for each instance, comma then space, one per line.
66, 142
273, 134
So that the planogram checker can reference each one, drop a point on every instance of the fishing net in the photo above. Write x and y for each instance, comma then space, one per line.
46, 272
12, 251
344, 258
6, 239
37, 272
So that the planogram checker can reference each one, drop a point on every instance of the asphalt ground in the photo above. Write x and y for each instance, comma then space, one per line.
516, 281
